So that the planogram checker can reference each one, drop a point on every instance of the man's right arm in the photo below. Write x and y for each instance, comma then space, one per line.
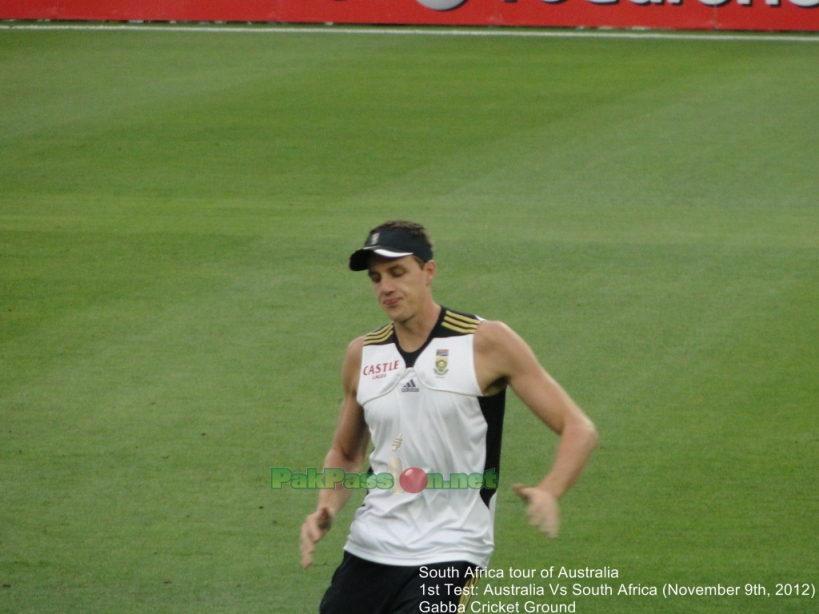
347, 452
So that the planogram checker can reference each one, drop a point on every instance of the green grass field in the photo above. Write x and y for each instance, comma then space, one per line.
176, 210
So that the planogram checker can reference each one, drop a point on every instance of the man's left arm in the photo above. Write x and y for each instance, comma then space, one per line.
506, 359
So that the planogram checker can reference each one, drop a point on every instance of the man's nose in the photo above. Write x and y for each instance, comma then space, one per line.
386, 285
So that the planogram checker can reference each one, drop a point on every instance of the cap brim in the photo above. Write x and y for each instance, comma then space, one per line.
388, 254
360, 259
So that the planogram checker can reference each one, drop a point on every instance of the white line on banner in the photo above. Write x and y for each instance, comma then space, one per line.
401, 31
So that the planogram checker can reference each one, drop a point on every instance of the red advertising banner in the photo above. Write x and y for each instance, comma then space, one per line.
767, 15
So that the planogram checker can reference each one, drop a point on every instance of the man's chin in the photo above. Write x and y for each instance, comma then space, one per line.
397, 314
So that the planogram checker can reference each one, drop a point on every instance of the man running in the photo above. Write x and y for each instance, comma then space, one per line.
429, 390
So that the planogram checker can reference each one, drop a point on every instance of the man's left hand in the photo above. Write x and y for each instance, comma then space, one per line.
542, 509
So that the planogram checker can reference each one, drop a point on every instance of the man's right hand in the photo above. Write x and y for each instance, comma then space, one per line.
314, 528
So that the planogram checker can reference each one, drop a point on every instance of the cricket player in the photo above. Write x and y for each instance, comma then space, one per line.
428, 390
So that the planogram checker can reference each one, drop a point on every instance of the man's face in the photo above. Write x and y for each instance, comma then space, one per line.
401, 285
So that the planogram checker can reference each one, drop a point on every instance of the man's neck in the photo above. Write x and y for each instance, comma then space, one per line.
412, 333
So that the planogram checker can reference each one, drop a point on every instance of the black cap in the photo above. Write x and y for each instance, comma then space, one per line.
390, 243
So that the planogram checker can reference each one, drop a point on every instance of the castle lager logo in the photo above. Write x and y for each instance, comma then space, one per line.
380, 370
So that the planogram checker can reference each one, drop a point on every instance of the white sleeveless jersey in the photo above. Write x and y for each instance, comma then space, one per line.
432, 400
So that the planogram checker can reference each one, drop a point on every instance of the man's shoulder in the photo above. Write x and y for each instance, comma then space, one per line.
379, 336
485, 331
452, 322
492, 334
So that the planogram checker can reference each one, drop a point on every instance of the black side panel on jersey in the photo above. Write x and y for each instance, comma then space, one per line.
493, 409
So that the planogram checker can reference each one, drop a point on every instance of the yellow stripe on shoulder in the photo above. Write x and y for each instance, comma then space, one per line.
380, 335
458, 320
461, 318
459, 328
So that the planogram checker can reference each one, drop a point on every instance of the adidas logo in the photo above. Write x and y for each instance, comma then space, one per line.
410, 387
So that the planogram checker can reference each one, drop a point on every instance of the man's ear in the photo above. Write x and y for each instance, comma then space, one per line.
430, 268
